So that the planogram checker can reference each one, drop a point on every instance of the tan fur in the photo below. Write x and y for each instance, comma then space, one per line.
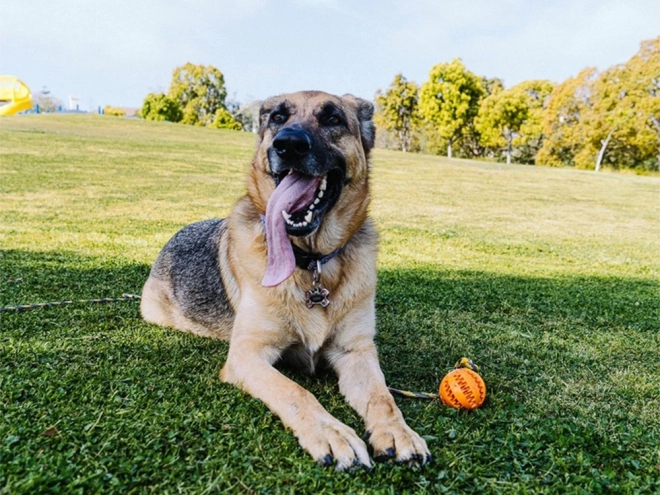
270, 321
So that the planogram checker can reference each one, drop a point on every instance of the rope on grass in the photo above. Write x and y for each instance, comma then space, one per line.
413, 395
25, 307
461, 363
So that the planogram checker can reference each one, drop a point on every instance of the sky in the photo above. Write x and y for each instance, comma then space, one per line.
115, 52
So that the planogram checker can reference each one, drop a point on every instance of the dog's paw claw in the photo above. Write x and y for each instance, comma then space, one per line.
326, 461
396, 441
385, 456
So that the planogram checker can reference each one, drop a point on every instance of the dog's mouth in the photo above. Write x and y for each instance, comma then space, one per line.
315, 197
296, 207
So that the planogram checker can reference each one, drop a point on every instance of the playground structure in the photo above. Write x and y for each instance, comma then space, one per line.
15, 96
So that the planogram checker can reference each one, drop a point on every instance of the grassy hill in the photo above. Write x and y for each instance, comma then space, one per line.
547, 278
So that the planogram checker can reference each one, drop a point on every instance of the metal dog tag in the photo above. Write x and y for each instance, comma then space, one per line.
318, 294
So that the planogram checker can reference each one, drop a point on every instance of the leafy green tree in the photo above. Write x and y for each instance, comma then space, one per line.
159, 106
530, 136
449, 100
609, 117
491, 85
114, 111
564, 134
501, 116
397, 110
470, 142
200, 92
644, 91
223, 119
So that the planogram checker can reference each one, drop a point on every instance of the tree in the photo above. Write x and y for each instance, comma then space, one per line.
608, 117
530, 136
158, 106
449, 100
491, 85
568, 103
223, 119
397, 110
114, 111
501, 115
200, 92
644, 90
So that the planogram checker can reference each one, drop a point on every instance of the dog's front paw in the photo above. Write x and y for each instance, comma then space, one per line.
331, 442
396, 440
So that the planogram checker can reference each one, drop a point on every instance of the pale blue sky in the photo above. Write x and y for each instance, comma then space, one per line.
114, 52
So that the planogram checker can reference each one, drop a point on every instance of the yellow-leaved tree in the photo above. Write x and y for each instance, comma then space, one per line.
644, 88
397, 111
530, 136
569, 102
200, 92
449, 100
501, 115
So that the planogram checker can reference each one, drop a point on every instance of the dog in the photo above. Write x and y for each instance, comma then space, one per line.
290, 275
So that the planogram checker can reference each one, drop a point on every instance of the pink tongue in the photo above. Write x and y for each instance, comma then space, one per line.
295, 192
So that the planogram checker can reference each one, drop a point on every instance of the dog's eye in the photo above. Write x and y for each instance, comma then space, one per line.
278, 117
333, 120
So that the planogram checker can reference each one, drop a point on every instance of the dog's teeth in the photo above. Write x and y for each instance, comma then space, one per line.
308, 217
317, 201
286, 216
303, 224
320, 194
311, 207
324, 184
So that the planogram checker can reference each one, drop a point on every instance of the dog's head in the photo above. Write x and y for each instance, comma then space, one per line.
311, 169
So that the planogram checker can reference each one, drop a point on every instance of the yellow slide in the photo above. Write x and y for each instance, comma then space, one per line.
14, 96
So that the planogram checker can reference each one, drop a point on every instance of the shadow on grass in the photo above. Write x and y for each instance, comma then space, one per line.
27, 277
426, 318
424, 315
516, 323
93, 398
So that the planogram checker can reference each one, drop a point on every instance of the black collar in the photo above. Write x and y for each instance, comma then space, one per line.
305, 260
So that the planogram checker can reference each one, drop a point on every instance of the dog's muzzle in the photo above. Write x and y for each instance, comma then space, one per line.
292, 143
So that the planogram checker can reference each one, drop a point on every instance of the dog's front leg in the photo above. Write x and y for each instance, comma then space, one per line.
254, 347
354, 357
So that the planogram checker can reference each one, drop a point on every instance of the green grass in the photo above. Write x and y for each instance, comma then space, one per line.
547, 278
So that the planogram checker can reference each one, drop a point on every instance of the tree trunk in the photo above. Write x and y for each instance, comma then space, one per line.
601, 153
509, 139
449, 148
656, 123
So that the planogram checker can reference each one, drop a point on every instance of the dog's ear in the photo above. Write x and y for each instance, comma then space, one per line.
365, 112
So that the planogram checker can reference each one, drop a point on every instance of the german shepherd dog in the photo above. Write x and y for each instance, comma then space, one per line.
290, 275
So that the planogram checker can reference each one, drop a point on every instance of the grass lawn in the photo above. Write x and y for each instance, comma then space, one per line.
547, 278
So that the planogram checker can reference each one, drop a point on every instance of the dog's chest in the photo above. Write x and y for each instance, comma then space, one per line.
311, 327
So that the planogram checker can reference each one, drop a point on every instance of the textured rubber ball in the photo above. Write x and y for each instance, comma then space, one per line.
463, 389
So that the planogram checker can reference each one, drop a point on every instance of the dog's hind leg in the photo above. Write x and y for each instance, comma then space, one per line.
156, 302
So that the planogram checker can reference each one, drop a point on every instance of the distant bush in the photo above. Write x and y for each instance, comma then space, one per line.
114, 111
159, 106
223, 119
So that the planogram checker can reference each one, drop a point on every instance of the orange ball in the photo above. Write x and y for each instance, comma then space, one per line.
463, 388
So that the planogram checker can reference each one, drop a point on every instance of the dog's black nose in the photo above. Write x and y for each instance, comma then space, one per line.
291, 142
